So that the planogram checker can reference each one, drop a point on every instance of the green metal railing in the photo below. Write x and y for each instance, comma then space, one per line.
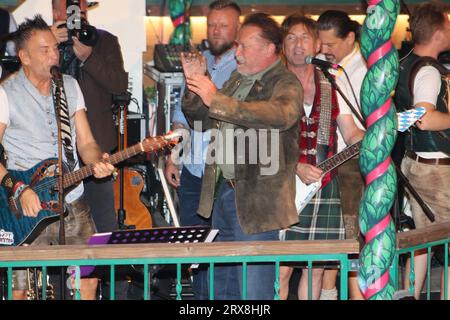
410, 253
179, 262
426, 241
182, 256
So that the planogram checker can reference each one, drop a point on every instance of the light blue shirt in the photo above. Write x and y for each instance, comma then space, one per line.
32, 133
220, 72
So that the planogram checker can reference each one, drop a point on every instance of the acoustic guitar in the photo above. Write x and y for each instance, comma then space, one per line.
136, 213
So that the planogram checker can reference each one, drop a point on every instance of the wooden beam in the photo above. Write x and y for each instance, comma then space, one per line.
217, 249
425, 235
229, 249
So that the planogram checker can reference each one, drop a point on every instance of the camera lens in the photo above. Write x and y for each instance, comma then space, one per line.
87, 34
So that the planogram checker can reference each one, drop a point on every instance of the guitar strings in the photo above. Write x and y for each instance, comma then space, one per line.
52, 183
44, 186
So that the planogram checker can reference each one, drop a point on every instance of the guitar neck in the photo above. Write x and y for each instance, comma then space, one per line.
88, 170
338, 159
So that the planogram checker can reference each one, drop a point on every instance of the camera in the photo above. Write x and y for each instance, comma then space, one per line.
10, 64
78, 26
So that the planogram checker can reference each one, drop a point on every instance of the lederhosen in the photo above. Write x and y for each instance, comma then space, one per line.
429, 176
322, 217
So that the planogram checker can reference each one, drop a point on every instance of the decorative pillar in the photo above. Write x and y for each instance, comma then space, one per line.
375, 162
179, 13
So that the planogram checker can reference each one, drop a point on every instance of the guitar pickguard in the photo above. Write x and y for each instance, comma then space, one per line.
48, 169
304, 193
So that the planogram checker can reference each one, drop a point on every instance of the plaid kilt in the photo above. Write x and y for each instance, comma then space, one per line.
321, 219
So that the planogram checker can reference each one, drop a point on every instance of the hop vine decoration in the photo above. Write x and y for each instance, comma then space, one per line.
179, 13
375, 161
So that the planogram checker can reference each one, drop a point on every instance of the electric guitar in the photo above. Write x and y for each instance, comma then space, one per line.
304, 193
17, 229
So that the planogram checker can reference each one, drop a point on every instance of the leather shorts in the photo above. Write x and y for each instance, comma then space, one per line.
79, 227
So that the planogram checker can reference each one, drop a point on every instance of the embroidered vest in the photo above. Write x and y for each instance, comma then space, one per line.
309, 127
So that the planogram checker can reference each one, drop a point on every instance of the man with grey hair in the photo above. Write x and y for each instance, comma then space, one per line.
248, 204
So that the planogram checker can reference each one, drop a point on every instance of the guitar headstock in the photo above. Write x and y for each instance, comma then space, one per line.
169, 140
173, 137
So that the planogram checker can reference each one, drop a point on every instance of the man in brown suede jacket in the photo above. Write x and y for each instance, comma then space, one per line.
250, 172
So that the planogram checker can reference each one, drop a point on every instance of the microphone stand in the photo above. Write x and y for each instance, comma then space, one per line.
122, 102
60, 187
426, 209
121, 214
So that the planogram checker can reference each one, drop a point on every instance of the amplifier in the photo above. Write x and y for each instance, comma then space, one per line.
137, 126
167, 57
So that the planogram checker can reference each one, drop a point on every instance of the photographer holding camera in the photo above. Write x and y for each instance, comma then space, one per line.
94, 58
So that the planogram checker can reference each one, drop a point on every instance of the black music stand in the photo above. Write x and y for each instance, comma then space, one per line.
190, 234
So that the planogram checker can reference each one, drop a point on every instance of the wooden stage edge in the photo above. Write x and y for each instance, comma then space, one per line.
190, 250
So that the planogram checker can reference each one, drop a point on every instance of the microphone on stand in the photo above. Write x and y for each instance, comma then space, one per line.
322, 63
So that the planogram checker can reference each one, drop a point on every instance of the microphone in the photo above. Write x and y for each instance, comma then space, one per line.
322, 63
55, 72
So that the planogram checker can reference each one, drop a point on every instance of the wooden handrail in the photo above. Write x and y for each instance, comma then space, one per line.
191, 250
81, 252
414, 238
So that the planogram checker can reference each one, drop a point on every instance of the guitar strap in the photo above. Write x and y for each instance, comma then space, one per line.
323, 131
60, 101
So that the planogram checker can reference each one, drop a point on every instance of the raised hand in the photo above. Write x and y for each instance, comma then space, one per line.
81, 50
193, 63
203, 87
61, 33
